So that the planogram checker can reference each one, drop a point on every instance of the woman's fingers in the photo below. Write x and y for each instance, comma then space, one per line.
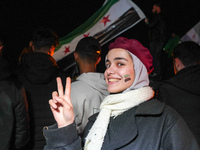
58, 96
67, 95
61, 105
60, 87
54, 94
59, 101
52, 104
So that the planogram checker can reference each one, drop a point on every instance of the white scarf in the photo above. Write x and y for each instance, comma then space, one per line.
112, 106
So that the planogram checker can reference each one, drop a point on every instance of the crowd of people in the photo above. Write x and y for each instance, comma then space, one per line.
128, 107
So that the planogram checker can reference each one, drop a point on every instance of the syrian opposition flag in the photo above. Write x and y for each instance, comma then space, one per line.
112, 19
193, 34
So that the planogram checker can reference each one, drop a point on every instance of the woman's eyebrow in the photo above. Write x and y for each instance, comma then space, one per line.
120, 58
117, 58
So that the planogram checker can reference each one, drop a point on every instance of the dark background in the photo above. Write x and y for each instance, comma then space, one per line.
19, 18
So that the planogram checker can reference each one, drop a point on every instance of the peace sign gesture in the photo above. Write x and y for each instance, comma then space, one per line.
61, 105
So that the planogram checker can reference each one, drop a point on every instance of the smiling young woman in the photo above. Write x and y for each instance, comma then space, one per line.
129, 118
120, 72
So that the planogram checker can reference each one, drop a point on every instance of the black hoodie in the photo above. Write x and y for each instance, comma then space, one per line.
38, 73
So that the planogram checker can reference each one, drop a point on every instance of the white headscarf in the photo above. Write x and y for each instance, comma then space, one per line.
141, 74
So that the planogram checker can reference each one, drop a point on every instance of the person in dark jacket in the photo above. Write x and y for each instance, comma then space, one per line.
157, 29
14, 129
182, 91
37, 72
129, 119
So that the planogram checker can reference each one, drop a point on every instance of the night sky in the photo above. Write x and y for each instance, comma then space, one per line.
19, 18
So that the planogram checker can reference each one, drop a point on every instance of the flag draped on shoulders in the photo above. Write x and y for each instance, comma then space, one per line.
112, 19
193, 34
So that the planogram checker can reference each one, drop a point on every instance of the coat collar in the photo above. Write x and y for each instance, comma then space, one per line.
150, 107
128, 130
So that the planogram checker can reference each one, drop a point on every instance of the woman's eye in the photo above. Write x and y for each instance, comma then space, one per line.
120, 64
107, 65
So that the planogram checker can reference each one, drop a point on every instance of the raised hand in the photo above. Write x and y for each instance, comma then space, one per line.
61, 105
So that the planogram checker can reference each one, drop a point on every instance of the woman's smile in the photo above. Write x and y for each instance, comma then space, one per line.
120, 73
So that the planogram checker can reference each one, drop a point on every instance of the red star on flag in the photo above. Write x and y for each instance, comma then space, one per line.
105, 20
67, 49
86, 35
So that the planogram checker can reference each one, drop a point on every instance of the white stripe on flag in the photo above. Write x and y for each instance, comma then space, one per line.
193, 34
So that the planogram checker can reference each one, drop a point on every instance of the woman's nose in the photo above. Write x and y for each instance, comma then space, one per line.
110, 70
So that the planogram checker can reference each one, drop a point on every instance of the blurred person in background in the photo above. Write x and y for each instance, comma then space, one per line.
38, 72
